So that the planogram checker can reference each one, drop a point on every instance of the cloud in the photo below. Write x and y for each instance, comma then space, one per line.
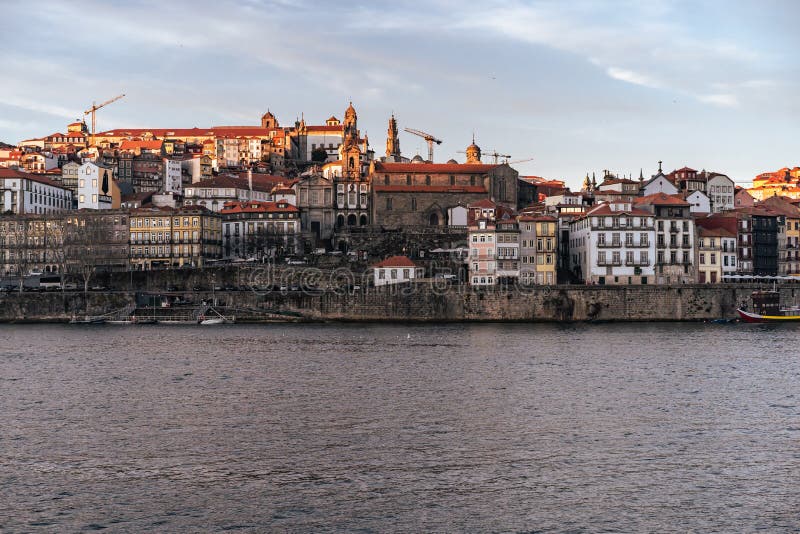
722, 100
633, 77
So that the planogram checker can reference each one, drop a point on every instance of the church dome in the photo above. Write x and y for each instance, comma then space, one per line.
417, 159
473, 153
451, 161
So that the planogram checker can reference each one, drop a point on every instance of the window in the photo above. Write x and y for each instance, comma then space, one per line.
389, 204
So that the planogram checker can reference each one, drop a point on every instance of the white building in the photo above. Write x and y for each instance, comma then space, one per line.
22, 193
95, 182
721, 190
659, 183
172, 176
396, 270
698, 202
675, 237
613, 243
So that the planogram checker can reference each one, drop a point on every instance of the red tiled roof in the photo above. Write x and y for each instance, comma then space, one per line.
719, 231
605, 209
325, 128
188, 132
537, 218
396, 261
433, 168
6, 173
429, 189
147, 145
661, 199
485, 203
684, 169
258, 206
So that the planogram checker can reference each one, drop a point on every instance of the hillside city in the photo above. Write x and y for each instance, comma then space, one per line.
83, 202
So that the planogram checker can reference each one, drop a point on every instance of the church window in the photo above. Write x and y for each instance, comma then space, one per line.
427, 180
389, 204
352, 162
471, 180
386, 179
408, 179
413, 204
452, 180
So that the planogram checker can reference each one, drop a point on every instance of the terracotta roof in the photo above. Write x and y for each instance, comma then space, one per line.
662, 199
433, 168
719, 231
258, 206
187, 132
396, 261
326, 128
147, 145
485, 203
684, 169
537, 218
429, 189
261, 182
10, 174
605, 209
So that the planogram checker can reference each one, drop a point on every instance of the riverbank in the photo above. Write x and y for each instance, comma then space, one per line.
421, 302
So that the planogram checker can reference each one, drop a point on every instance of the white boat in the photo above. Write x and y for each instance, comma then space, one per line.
87, 320
217, 318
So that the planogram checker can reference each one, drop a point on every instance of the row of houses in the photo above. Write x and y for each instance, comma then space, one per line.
653, 239
150, 237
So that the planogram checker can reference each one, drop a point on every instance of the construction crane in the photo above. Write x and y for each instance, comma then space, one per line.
519, 161
428, 138
95, 107
494, 155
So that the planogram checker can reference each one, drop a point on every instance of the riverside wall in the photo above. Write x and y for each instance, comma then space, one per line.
428, 302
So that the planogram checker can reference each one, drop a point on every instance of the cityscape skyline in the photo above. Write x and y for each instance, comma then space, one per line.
578, 88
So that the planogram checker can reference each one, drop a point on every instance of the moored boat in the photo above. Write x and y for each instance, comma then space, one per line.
87, 320
767, 309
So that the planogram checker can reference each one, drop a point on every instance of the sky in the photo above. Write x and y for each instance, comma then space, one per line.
573, 87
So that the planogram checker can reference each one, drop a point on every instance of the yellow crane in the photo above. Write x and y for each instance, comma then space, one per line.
95, 107
428, 138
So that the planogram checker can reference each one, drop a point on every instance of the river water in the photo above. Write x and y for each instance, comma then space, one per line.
400, 428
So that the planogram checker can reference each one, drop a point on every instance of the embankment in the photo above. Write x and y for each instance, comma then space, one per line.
426, 302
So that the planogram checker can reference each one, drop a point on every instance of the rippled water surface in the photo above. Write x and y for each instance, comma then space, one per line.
634, 428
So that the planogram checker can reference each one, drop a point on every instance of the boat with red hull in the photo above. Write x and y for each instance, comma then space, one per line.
767, 309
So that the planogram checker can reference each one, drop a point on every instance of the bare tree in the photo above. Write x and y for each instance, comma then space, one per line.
89, 244
17, 252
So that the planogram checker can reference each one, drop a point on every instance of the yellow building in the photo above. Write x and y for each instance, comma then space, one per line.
168, 237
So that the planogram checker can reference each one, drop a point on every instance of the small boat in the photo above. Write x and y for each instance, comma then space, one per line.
767, 309
217, 318
87, 320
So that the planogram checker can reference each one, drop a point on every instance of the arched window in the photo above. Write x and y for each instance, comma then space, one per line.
352, 162
363, 221
434, 219
351, 220
340, 221
428, 180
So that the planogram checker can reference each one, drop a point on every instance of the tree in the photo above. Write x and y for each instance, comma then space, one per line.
17, 254
89, 244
